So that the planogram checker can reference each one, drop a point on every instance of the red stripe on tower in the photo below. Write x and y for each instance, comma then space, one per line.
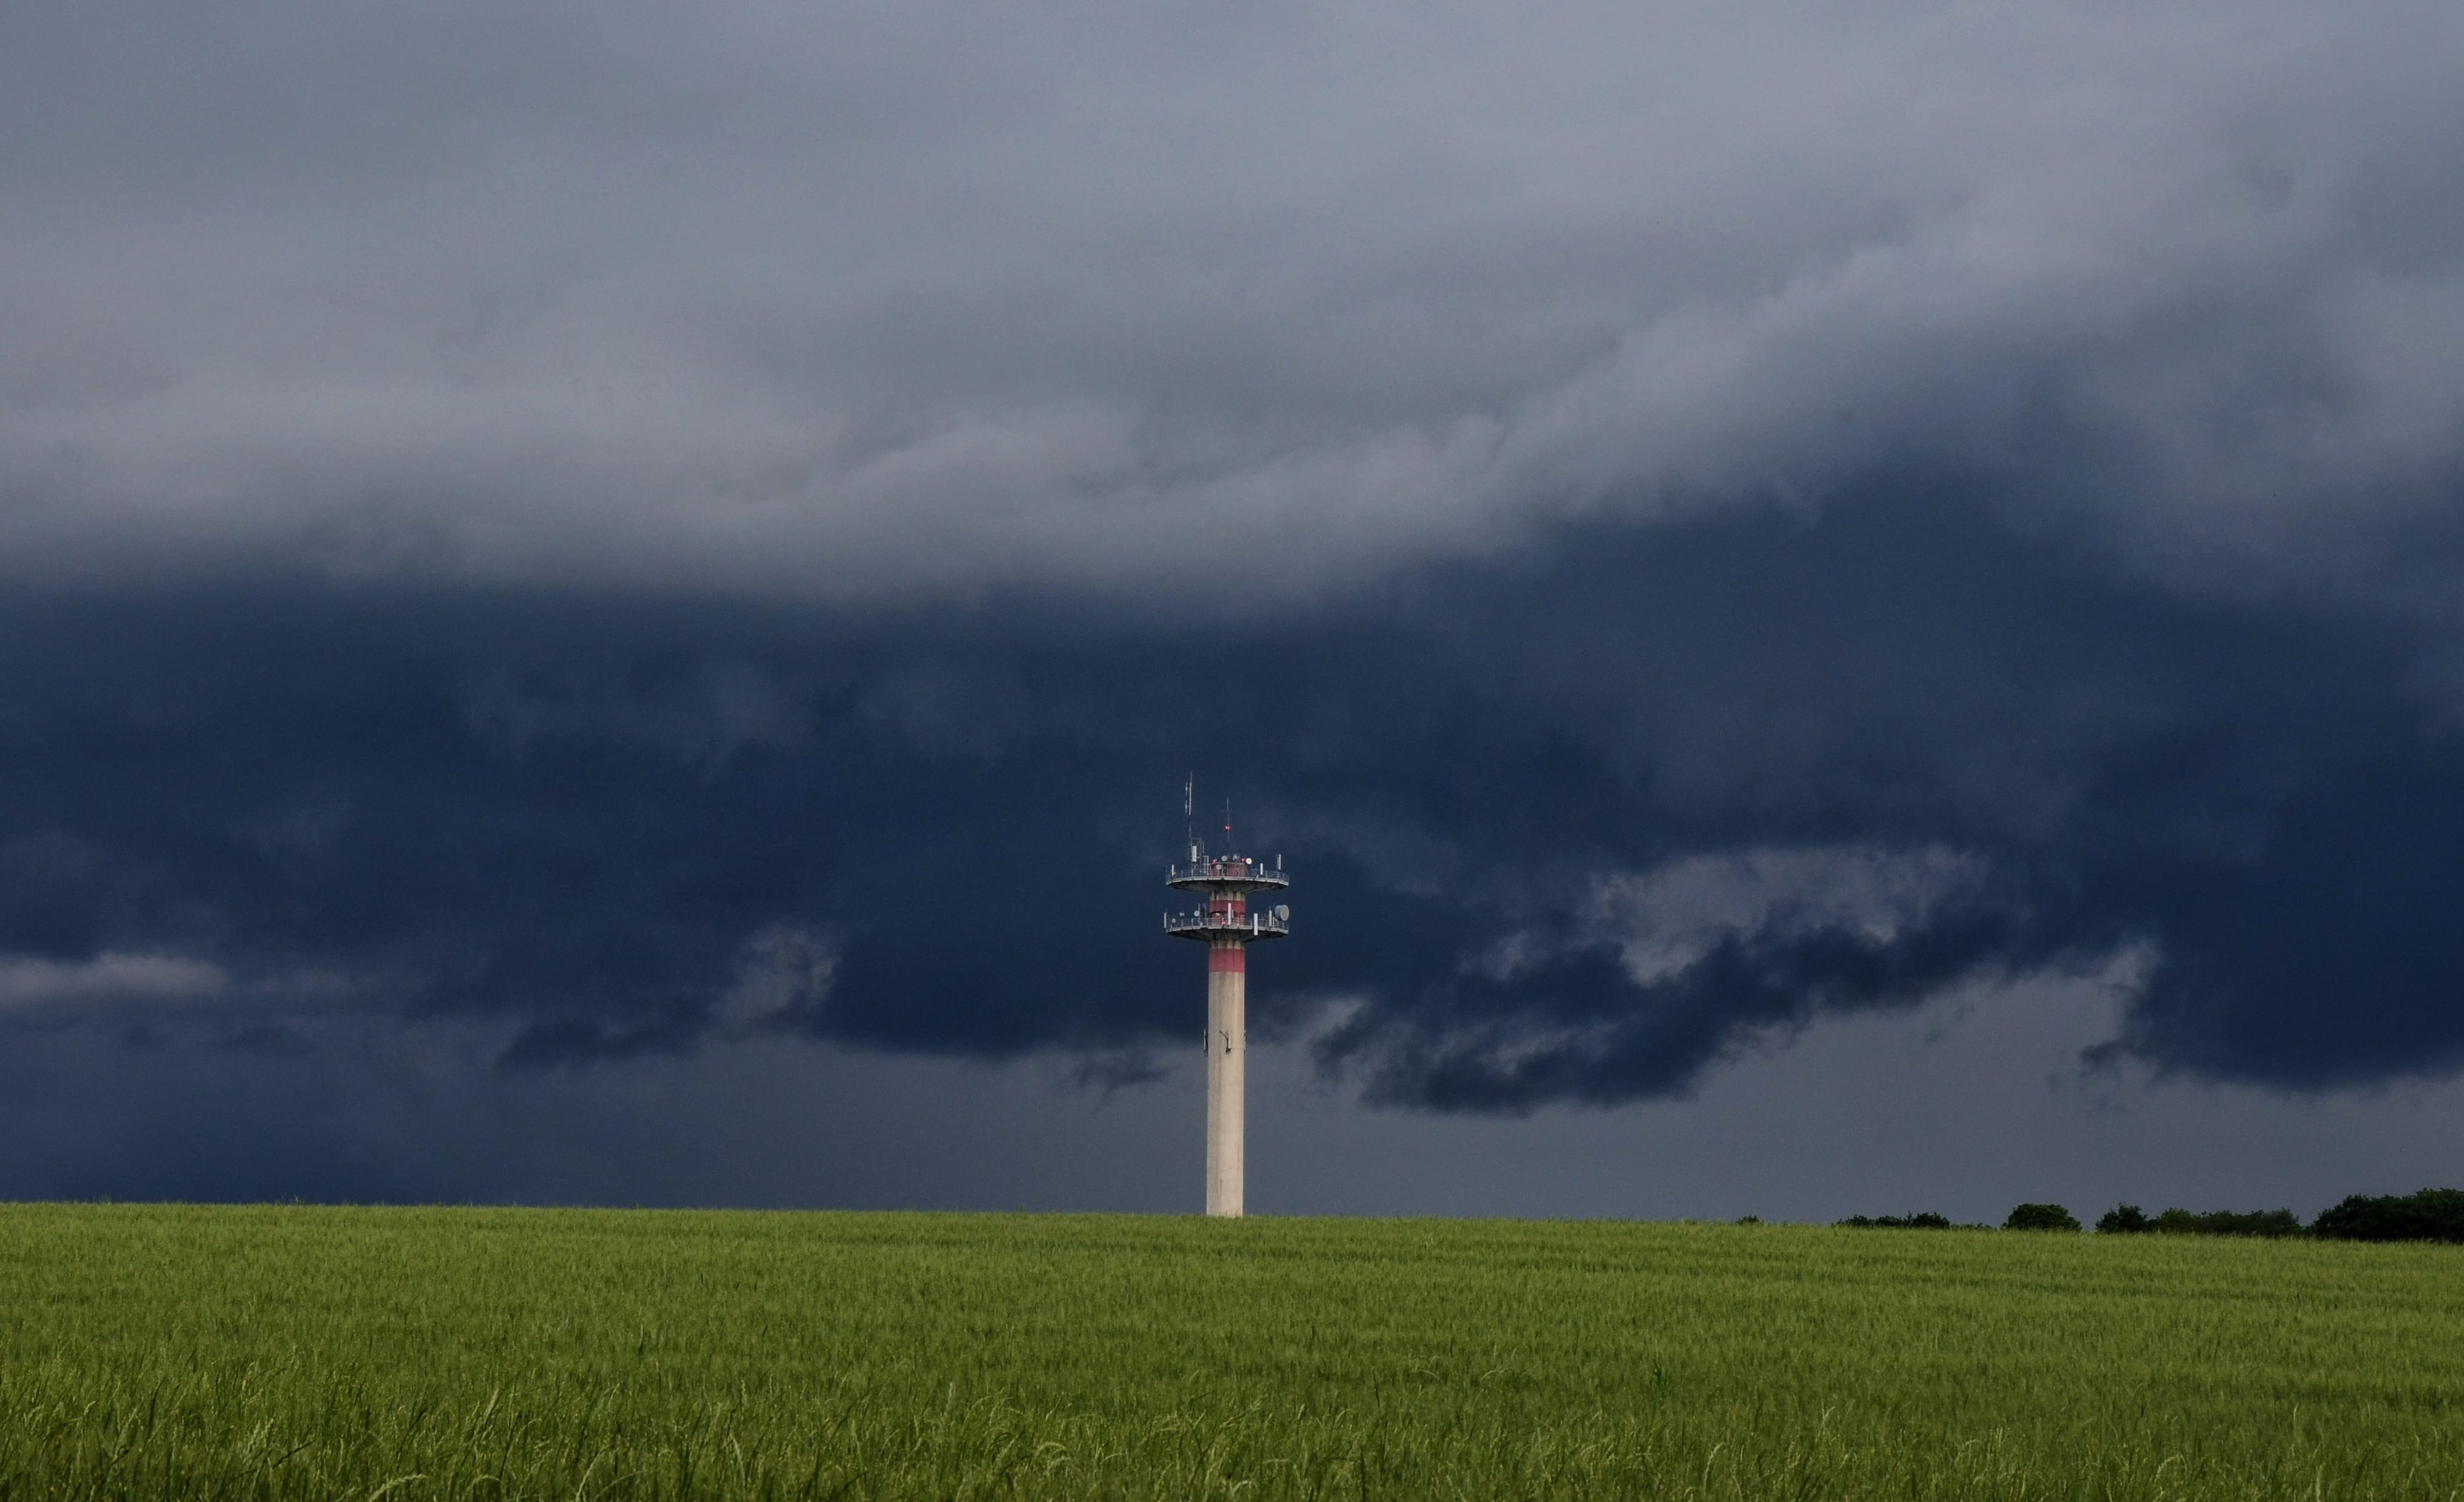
1233, 959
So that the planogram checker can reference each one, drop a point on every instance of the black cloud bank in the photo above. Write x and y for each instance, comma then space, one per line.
1573, 830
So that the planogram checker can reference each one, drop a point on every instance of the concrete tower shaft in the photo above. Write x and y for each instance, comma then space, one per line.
1227, 1076
1227, 928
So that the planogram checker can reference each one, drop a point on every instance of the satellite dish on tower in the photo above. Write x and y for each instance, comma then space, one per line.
1283, 913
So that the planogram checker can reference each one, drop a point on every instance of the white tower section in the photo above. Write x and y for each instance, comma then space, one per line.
1227, 928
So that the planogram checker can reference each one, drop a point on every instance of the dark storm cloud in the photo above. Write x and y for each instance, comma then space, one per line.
596, 531
1575, 830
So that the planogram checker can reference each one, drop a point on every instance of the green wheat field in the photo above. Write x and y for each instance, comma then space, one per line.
162, 1352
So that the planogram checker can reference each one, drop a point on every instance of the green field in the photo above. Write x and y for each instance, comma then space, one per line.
187, 1352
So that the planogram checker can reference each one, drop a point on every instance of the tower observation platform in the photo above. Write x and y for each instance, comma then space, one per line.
1228, 882
1227, 926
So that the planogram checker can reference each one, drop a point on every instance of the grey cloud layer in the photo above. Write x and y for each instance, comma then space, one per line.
869, 300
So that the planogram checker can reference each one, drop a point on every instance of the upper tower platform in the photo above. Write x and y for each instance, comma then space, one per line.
1227, 880
1240, 874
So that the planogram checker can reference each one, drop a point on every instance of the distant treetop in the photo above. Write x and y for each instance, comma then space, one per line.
2041, 1218
2423, 1215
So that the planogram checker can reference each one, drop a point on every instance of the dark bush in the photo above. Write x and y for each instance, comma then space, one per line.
2125, 1220
2424, 1215
2041, 1218
1921, 1221
2178, 1222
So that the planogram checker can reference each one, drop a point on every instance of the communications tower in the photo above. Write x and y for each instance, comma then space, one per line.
1227, 928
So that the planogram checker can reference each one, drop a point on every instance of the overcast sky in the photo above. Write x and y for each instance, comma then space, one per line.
1833, 608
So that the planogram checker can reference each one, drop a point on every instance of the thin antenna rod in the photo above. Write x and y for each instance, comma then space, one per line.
1189, 813
1228, 846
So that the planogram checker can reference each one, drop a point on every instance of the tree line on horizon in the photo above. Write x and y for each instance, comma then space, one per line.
2424, 1215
